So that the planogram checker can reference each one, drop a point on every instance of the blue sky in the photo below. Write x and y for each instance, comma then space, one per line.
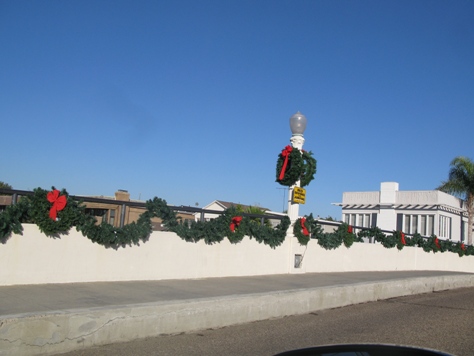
190, 100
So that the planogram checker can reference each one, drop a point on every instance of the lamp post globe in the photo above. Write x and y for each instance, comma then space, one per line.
298, 124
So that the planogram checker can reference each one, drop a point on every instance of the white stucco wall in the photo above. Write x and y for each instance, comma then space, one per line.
375, 257
33, 258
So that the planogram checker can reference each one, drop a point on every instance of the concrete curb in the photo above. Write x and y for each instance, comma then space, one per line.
68, 330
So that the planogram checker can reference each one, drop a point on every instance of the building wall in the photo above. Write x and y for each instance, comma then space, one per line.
361, 197
5, 200
215, 205
425, 212
113, 211
208, 216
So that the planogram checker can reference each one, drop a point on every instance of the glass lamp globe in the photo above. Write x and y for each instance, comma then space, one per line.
298, 124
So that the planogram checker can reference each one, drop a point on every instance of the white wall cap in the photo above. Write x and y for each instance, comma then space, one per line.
389, 186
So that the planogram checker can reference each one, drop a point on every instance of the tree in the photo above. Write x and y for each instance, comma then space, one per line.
461, 184
254, 210
4, 185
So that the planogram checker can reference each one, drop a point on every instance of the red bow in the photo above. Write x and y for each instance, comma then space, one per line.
305, 230
349, 229
437, 243
285, 153
59, 202
462, 246
235, 222
403, 239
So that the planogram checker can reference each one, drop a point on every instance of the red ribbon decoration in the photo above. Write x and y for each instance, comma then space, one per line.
305, 230
403, 239
235, 222
349, 229
462, 246
437, 243
285, 153
59, 203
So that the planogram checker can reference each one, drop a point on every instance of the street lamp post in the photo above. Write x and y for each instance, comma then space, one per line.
297, 125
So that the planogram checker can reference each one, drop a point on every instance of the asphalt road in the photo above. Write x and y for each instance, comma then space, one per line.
442, 320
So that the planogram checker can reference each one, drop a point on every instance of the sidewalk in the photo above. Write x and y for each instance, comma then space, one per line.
54, 318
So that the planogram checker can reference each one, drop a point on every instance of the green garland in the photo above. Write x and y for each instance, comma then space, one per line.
344, 235
329, 241
35, 209
301, 166
11, 219
272, 237
431, 244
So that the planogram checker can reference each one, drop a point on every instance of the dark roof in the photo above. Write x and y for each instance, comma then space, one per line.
227, 205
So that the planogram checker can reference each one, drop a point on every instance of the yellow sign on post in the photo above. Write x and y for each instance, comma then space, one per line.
299, 195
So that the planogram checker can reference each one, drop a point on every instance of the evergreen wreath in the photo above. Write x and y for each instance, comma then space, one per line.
308, 223
293, 165
289, 166
433, 244
460, 249
237, 225
39, 210
301, 230
309, 168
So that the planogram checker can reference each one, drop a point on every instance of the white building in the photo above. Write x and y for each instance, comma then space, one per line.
428, 212
219, 205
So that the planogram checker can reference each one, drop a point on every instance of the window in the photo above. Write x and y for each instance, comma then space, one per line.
407, 224
427, 225
112, 217
414, 224
444, 227
411, 224
99, 214
366, 220
362, 220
